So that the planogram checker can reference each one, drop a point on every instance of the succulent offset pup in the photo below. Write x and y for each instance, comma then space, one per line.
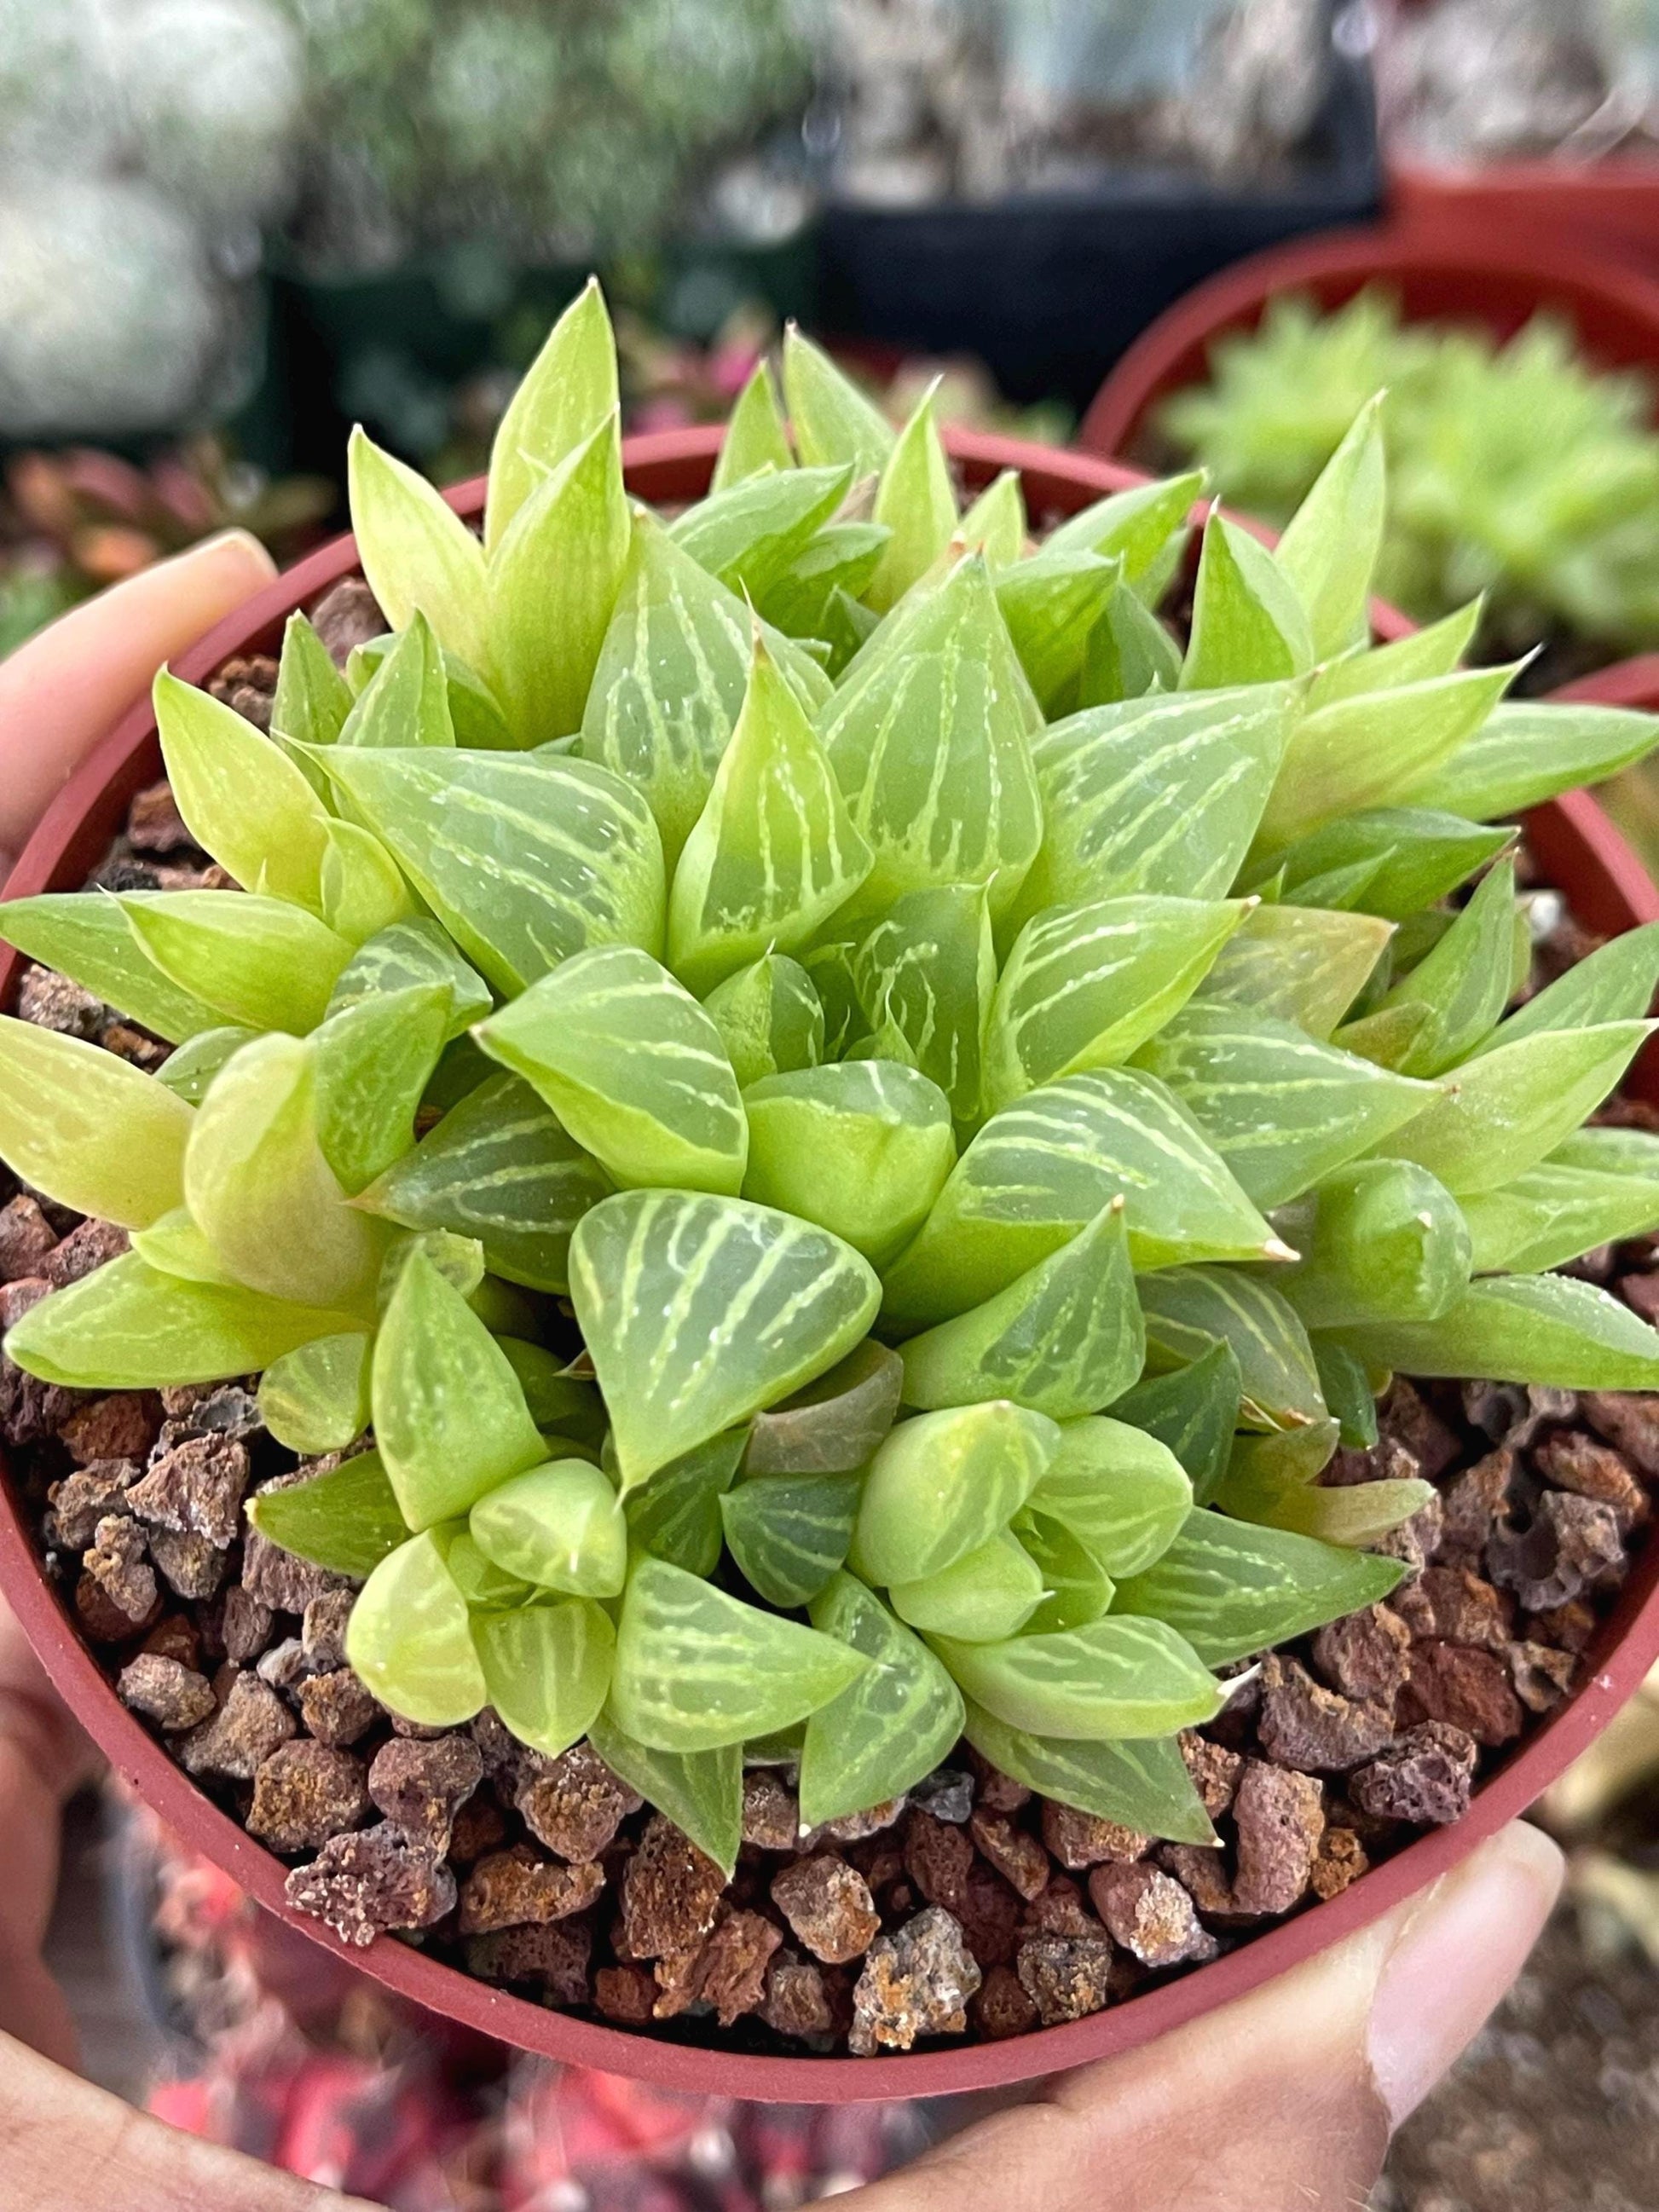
997, 1092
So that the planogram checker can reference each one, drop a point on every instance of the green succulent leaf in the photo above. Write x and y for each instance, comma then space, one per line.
861, 1146
1193, 1410
1296, 964
1130, 653
1052, 603
128, 1326
312, 698
770, 1017
1085, 986
1615, 983
1555, 1213
671, 678
177, 1247
633, 1067
995, 523
408, 956
1380, 749
789, 1534
944, 1484
1411, 856
916, 503
1435, 650
1190, 1308
568, 393
92, 941
374, 1062
256, 961
1380, 1240
756, 435
696, 1670
886, 1730
697, 1311
773, 853
1159, 795
1330, 547
408, 1639
1141, 527
88, 1129
499, 1166
929, 735
1065, 1339
240, 797
1143, 1786
1546, 1329
405, 702
344, 1517
835, 1425
1232, 1588
1346, 1385
1282, 1109
1119, 1490
1120, 1678
835, 566
1076, 1588
676, 1516
924, 977
316, 1400
557, 1525
547, 1669
1457, 990
553, 581
260, 1189
701, 1791
1513, 1104
450, 1418
473, 712
1273, 1481
417, 552
1041, 1170
833, 421
1250, 624
1527, 751
749, 534
523, 861
983, 1597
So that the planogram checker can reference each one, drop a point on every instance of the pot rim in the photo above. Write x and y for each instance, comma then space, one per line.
1616, 307
1574, 838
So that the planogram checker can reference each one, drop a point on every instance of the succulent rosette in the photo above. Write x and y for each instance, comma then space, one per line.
817, 1131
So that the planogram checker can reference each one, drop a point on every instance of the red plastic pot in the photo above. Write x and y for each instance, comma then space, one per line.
1578, 848
1611, 205
1447, 277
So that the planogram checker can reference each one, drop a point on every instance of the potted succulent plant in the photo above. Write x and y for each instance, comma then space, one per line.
779, 1207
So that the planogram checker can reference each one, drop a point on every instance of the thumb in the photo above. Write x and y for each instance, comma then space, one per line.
1282, 2102
63, 690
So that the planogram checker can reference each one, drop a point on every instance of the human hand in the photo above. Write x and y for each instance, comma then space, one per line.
64, 2146
1282, 2102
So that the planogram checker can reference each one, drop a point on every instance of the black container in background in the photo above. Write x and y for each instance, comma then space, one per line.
1048, 289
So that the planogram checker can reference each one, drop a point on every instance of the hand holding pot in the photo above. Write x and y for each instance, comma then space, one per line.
64, 2146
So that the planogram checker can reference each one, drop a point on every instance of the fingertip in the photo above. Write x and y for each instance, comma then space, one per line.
239, 553
1454, 1960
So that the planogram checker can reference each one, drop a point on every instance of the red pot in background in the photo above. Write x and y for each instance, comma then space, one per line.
1579, 849
1610, 206
1450, 274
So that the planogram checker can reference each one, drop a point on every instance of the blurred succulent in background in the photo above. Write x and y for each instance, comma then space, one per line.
566, 129
854, 1122
1515, 471
72, 521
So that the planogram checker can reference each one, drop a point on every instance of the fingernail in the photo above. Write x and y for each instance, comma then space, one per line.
1454, 1960
242, 543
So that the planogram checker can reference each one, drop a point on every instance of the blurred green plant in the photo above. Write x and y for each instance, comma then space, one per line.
1515, 470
